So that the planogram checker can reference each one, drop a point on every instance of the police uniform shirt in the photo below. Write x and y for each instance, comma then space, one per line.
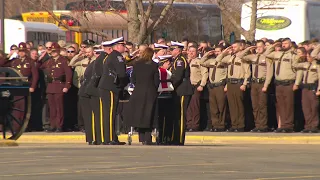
284, 62
199, 74
80, 69
265, 67
315, 52
237, 68
220, 69
308, 73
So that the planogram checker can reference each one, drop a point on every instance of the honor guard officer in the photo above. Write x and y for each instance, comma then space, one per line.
94, 95
165, 101
285, 77
238, 77
262, 73
198, 78
27, 68
84, 102
183, 91
217, 82
160, 50
59, 76
309, 75
113, 81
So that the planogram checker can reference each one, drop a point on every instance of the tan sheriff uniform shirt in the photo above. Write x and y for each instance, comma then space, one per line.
80, 68
217, 70
237, 68
315, 52
199, 74
308, 73
284, 64
261, 67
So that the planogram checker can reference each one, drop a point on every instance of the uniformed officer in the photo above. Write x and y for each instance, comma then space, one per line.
217, 82
59, 76
309, 75
182, 94
238, 77
159, 50
27, 68
92, 90
198, 79
113, 81
261, 78
84, 102
285, 77
165, 101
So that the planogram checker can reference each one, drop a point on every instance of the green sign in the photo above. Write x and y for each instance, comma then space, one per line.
273, 22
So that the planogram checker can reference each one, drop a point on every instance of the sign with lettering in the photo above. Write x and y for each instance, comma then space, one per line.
273, 22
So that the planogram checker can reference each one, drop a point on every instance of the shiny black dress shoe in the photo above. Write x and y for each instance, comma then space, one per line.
58, 130
116, 143
148, 143
283, 130
218, 130
93, 143
50, 130
239, 130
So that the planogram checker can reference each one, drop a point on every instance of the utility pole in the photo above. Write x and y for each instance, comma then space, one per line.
2, 13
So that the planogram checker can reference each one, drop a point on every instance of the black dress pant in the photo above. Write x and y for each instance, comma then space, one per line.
87, 116
145, 135
109, 105
165, 118
95, 104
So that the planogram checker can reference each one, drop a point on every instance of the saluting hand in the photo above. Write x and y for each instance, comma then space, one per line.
65, 90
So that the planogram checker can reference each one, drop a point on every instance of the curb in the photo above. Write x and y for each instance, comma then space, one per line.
190, 139
7, 143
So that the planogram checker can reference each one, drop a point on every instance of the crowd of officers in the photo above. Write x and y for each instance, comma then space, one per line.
227, 72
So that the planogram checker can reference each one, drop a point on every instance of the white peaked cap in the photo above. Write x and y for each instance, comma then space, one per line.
164, 57
98, 50
156, 60
117, 40
160, 46
106, 43
173, 43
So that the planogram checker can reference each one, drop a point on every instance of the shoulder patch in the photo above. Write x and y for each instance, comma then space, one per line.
179, 63
120, 58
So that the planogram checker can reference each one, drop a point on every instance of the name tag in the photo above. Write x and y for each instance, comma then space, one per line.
262, 64
237, 64
313, 70
195, 65
286, 60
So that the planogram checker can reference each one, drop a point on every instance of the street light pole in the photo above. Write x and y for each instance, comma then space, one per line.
2, 13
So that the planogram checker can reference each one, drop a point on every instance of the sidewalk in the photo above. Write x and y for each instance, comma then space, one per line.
205, 138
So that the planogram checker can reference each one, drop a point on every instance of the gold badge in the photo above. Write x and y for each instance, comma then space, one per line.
19, 66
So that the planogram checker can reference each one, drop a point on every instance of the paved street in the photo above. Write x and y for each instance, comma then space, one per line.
82, 162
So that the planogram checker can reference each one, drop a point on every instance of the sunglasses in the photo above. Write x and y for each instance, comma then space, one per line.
83, 46
70, 51
97, 52
48, 47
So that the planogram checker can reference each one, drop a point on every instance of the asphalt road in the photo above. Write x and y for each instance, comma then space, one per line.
234, 162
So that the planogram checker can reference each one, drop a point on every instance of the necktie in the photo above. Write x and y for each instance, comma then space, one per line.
213, 77
256, 70
89, 61
279, 64
232, 65
307, 74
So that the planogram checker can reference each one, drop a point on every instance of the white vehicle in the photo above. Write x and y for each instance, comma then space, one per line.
296, 19
39, 33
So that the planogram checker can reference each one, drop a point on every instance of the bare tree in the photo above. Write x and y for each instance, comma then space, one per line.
231, 10
140, 26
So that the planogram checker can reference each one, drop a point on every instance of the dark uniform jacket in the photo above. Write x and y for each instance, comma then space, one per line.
25, 66
181, 76
58, 74
114, 77
86, 80
97, 70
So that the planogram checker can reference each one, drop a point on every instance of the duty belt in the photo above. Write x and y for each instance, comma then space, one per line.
218, 84
235, 81
258, 80
284, 82
61, 79
312, 86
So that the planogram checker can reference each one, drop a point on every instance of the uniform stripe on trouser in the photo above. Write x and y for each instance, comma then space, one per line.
101, 120
93, 127
181, 116
163, 128
111, 115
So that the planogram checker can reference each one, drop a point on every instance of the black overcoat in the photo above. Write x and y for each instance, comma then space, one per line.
142, 102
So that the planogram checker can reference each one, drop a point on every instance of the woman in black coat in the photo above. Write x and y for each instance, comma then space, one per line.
142, 102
